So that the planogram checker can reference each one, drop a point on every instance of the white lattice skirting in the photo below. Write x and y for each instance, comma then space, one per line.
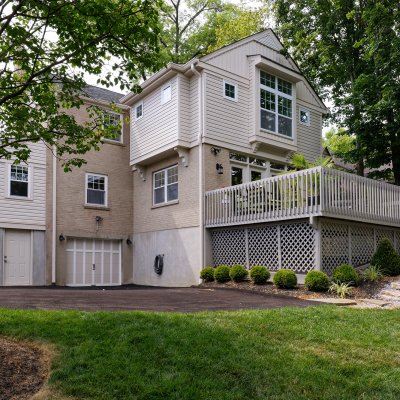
300, 246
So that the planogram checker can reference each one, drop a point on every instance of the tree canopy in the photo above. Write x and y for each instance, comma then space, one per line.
46, 48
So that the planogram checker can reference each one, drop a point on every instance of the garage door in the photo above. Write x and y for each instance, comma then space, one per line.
93, 262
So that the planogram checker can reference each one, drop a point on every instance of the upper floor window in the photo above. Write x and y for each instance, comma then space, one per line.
96, 190
114, 120
166, 94
139, 111
304, 116
230, 91
276, 103
19, 181
165, 185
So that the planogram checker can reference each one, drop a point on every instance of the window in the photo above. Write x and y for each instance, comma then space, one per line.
304, 116
276, 103
246, 169
165, 185
19, 181
166, 94
96, 190
113, 120
139, 111
230, 91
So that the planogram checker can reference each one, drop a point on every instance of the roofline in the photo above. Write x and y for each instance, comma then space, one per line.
105, 103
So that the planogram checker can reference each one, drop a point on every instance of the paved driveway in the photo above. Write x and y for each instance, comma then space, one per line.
141, 298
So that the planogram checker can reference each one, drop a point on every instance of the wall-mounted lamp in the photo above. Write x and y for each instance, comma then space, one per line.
98, 218
128, 242
215, 150
219, 168
61, 238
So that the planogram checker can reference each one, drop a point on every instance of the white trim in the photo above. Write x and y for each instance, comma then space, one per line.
226, 82
165, 186
105, 189
165, 100
136, 118
308, 112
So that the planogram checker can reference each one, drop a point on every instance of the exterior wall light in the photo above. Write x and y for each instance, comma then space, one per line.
61, 238
128, 242
215, 150
219, 168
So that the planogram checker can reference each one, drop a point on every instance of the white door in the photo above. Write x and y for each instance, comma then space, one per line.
93, 262
17, 258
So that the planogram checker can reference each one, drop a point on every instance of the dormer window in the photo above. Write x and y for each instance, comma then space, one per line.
276, 103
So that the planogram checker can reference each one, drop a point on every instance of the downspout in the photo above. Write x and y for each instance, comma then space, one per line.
54, 218
201, 175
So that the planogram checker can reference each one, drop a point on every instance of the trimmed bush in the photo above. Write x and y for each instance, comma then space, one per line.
345, 274
238, 273
207, 274
285, 279
386, 258
259, 274
221, 274
317, 281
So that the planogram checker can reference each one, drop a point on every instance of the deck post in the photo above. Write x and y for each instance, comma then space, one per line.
316, 224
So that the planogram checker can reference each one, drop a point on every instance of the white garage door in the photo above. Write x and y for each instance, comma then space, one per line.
93, 262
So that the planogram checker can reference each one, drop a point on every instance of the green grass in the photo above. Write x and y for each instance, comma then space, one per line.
313, 353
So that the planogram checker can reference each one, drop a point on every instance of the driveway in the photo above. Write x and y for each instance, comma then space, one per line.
141, 298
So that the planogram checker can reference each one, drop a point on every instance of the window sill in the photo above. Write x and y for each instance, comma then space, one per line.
276, 134
170, 203
114, 142
19, 198
94, 207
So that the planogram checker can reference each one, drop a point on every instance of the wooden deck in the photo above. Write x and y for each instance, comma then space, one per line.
313, 192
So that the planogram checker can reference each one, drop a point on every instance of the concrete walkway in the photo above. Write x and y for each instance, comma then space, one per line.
141, 298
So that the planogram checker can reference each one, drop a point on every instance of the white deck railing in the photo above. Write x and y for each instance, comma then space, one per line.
313, 192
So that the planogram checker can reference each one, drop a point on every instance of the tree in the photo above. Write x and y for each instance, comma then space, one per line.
340, 144
46, 48
340, 46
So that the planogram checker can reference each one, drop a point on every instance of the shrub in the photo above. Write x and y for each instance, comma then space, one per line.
285, 279
386, 258
345, 274
341, 289
207, 274
238, 273
259, 274
221, 274
317, 281
372, 274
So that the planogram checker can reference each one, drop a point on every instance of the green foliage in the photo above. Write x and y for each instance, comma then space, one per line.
340, 143
259, 274
238, 273
345, 274
317, 281
298, 161
372, 274
40, 77
207, 274
285, 279
341, 289
221, 274
386, 258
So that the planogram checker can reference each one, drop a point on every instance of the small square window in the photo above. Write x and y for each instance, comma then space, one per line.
166, 94
19, 181
304, 117
230, 91
139, 111
96, 190
113, 120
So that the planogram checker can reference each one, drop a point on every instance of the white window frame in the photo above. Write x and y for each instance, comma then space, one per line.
87, 174
135, 111
165, 171
163, 99
121, 137
276, 93
30, 183
307, 111
226, 82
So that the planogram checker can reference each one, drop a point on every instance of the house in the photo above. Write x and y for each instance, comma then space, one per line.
199, 176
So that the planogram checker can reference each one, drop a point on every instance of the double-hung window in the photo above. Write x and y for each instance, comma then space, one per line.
276, 103
19, 181
113, 123
96, 190
139, 111
165, 185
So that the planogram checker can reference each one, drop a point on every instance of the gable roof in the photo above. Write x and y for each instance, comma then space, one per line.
98, 93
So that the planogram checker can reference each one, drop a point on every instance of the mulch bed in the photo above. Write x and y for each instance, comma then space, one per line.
23, 370
364, 291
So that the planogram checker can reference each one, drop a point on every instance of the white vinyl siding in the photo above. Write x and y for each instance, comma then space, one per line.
22, 212
185, 101
194, 108
159, 125
309, 140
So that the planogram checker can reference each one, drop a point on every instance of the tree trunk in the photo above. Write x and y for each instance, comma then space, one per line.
396, 162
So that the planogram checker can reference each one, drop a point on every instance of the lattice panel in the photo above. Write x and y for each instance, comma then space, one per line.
298, 247
397, 241
263, 247
383, 233
362, 244
229, 247
334, 246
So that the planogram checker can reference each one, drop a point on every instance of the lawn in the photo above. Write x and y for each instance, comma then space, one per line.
302, 353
